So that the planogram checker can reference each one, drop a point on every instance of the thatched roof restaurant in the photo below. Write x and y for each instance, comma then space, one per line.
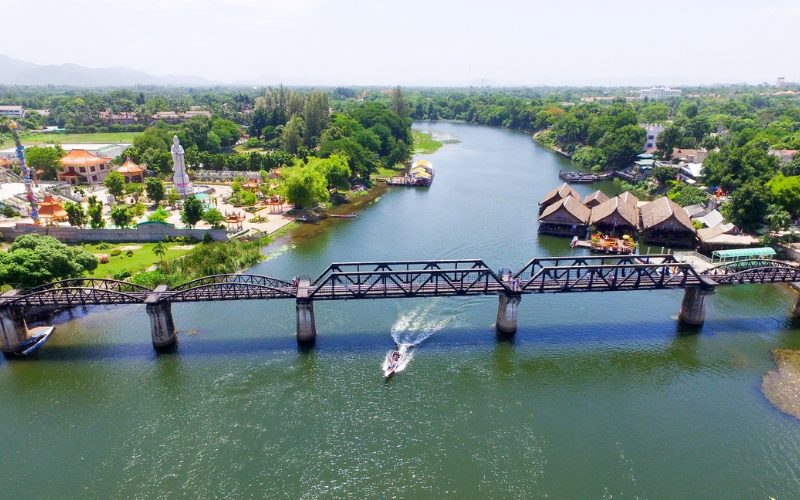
615, 216
557, 194
666, 222
594, 199
565, 217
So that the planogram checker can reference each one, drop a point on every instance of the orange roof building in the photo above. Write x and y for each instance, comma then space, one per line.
4, 162
51, 210
82, 167
131, 171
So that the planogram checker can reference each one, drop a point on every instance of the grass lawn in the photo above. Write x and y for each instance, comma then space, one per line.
243, 149
389, 172
141, 259
424, 143
100, 137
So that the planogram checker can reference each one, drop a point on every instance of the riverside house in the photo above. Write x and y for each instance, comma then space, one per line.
666, 223
594, 199
557, 194
617, 216
566, 217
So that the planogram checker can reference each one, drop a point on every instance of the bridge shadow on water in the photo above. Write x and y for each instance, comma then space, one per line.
624, 339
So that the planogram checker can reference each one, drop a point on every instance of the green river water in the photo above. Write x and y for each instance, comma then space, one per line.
598, 395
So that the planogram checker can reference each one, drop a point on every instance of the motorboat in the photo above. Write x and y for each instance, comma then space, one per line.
38, 337
397, 360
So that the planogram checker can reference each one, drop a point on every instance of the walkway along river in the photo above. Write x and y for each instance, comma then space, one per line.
597, 394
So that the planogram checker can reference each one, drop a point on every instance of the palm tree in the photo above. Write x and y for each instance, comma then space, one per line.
777, 218
160, 250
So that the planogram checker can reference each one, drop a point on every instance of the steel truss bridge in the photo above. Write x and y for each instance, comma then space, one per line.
420, 278
424, 278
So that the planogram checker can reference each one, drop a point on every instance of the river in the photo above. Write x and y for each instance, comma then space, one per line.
598, 395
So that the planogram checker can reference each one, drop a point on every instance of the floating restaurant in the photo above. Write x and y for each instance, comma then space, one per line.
557, 194
617, 216
566, 217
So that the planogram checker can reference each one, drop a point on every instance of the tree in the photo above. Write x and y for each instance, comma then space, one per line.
685, 194
95, 212
33, 260
335, 169
667, 140
305, 187
622, 145
214, 217
786, 192
115, 183
777, 218
121, 216
44, 158
76, 216
158, 215
292, 136
173, 197
155, 189
134, 189
664, 174
159, 250
315, 117
192, 211
399, 104
748, 206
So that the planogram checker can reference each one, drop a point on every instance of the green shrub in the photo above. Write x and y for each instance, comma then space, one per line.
103, 246
115, 252
129, 253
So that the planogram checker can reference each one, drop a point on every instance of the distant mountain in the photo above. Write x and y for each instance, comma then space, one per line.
16, 72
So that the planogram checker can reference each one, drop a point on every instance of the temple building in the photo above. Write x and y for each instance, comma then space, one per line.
131, 171
82, 167
51, 211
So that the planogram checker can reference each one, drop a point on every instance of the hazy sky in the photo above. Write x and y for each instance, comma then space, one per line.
417, 42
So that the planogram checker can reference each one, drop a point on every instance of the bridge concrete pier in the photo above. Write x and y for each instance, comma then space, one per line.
13, 329
693, 307
306, 324
162, 327
507, 313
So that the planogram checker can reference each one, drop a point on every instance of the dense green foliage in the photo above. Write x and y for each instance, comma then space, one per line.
34, 260
44, 158
204, 260
686, 194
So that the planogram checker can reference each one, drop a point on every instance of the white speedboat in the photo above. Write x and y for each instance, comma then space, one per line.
397, 360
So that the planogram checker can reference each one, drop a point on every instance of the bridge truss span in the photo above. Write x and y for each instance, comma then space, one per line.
374, 280
231, 287
614, 277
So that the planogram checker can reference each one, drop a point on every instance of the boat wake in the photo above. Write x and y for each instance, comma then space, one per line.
417, 325
409, 330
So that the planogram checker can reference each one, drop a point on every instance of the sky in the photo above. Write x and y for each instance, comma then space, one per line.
417, 42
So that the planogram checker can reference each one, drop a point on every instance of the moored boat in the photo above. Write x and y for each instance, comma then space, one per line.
35, 341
